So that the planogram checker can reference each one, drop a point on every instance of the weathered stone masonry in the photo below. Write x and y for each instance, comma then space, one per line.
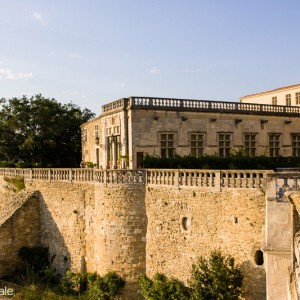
135, 222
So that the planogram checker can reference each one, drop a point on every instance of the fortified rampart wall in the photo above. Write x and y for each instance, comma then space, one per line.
136, 222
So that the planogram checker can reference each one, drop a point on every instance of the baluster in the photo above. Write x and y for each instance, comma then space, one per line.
238, 182
225, 180
210, 180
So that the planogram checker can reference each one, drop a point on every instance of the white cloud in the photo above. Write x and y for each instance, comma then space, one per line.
39, 18
10, 75
155, 71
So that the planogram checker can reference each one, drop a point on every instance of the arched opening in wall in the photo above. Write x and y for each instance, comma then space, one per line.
259, 258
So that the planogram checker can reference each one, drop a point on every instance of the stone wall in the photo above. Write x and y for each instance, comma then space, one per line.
67, 212
19, 227
294, 275
135, 229
185, 224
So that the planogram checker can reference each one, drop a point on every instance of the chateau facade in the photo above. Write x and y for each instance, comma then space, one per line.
130, 127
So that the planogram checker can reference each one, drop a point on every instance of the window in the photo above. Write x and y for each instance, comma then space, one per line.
85, 156
250, 140
84, 135
297, 96
288, 100
96, 135
274, 100
224, 144
296, 144
167, 145
274, 144
96, 131
197, 144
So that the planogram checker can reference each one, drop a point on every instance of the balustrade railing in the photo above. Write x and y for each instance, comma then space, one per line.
200, 105
213, 179
114, 105
205, 105
286, 182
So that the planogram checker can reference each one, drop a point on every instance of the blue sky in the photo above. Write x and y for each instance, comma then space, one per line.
93, 52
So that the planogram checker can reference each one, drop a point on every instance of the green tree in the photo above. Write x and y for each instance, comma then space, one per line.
41, 131
216, 278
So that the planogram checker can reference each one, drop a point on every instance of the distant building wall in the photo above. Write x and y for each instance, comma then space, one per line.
287, 95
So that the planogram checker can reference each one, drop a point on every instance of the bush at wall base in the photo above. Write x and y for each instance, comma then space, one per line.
216, 278
162, 288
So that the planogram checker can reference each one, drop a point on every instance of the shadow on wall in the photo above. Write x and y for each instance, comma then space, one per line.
255, 280
20, 229
51, 237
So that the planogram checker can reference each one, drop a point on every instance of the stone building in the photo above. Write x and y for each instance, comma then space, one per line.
130, 127
286, 95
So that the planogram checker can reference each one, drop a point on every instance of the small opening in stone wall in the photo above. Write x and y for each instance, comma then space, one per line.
235, 220
185, 223
259, 257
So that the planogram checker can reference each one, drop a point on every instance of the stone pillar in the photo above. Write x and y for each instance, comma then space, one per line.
278, 240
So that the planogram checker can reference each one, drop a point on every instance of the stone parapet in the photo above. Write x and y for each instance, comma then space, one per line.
199, 105
214, 179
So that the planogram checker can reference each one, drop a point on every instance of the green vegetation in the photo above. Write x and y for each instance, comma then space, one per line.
40, 132
215, 278
162, 288
15, 183
92, 286
40, 281
89, 164
236, 161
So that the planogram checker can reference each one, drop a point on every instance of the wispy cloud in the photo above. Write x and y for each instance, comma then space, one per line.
39, 18
155, 71
10, 75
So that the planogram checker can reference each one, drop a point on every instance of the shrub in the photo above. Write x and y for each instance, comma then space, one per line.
90, 164
162, 288
93, 286
235, 161
216, 278
16, 183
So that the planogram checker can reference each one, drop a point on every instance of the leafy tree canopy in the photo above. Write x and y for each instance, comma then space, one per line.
41, 132
216, 278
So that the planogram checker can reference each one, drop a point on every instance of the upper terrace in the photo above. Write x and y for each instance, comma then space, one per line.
172, 104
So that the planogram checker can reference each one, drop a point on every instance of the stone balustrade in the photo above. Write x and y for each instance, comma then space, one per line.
200, 106
178, 178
